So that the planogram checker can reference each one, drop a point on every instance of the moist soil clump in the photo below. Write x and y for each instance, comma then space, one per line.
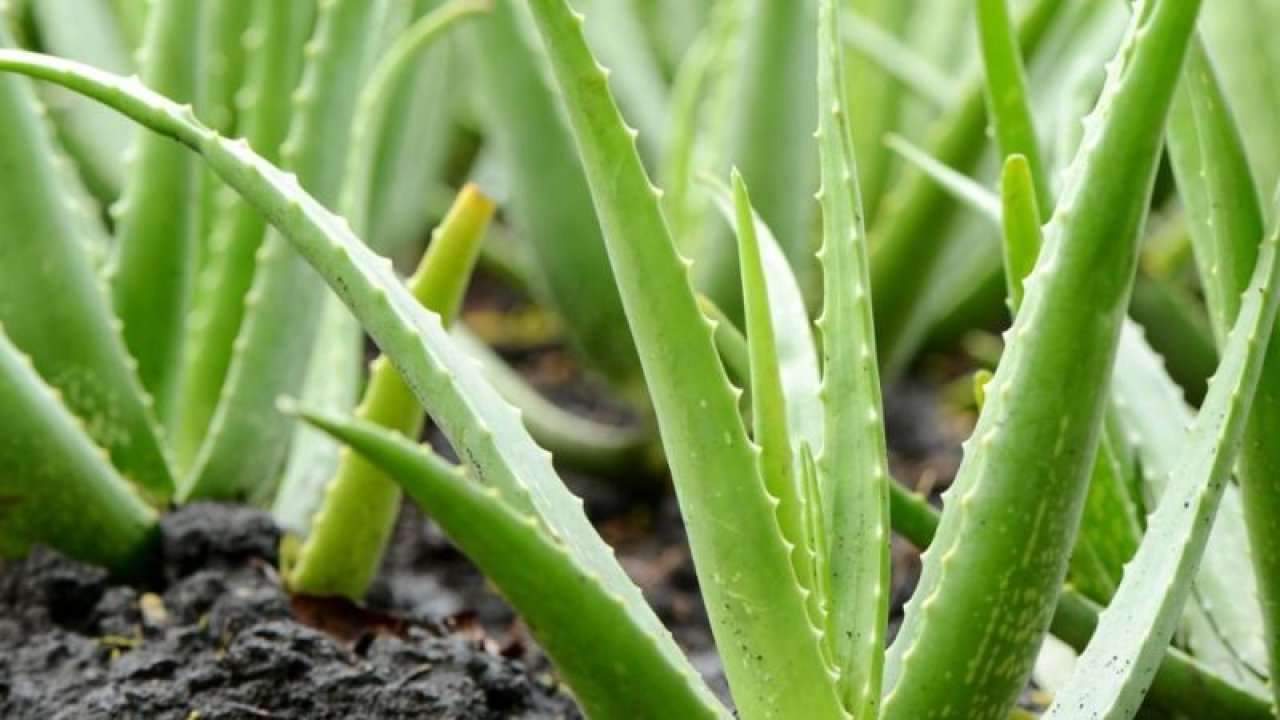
218, 638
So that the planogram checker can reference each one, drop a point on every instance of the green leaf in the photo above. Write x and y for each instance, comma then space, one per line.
157, 218
56, 486
853, 471
1021, 225
1044, 409
908, 238
1006, 92
754, 599
93, 136
247, 438
1113, 674
778, 463
1214, 176
228, 268
42, 246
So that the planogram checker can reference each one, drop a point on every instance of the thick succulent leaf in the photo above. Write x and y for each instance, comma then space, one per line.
56, 486
1006, 90
1111, 525
1115, 671
92, 135
778, 460
1181, 684
1214, 176
1223, 624
1237, 35
157, 218
1044, 410
227, 69
551, 202
47, 280
583, 625
480, 426
417, 140
618, 38
227, 271
793, 333
853, 471
247, 438
771, 652
349, 535
376, 97
1020, 215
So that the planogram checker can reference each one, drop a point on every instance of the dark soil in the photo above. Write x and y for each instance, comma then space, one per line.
220, 640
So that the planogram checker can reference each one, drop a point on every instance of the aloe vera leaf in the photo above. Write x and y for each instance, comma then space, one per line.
753, 597
1236, 35
1216, 184
1153, 416
157, 216
550, 200
92, 135
769, 142
56, 486
618, 38
1054, 343
575, 442
41, 248
246, 438
349, 535
777, 461
1213, 173
224, 25
1181, 683
583, 624
227, 272
481, 427
853, 467
1111, 524
1020, 211
1141, 619
908, 236
795, 345
885, 52
1006, 90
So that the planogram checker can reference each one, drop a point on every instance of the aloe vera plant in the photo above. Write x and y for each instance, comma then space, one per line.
789, 505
